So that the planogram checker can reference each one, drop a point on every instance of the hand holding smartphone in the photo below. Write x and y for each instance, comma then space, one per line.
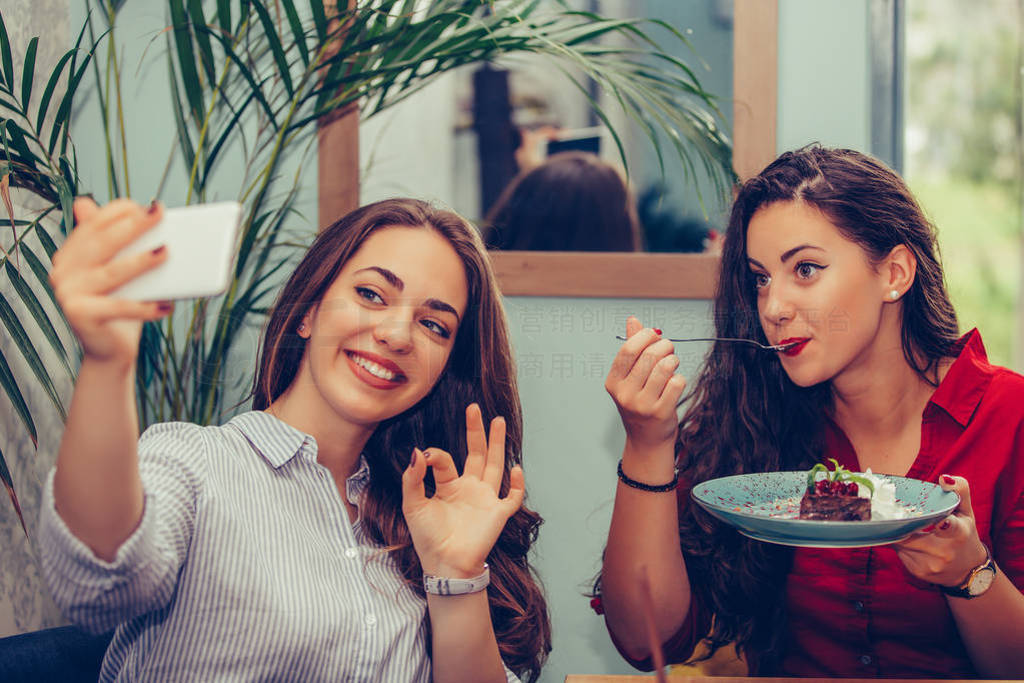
200, 241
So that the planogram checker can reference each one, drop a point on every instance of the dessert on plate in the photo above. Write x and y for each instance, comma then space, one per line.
837, 496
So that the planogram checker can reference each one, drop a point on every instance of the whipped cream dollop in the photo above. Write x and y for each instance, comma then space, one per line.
883, 503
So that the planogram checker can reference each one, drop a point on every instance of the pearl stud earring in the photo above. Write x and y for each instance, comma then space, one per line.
894, 294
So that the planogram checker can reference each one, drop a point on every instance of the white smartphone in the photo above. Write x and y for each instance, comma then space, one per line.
200, 242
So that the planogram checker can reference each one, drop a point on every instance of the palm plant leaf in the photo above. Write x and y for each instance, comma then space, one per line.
298, 31
319, 21
276, 48
51, 85
62, 119
5, 55
28, 350
184, 134
38, 313
189, 73
205, 49
13, 392
35, 264
49, 246
28, 71
5, 477
224, 15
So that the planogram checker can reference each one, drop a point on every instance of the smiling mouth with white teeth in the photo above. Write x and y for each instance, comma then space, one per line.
375, 369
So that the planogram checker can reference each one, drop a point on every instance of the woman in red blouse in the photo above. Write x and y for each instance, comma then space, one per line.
829, 248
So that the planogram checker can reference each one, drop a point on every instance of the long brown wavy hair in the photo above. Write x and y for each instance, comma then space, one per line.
480, 369
747, 416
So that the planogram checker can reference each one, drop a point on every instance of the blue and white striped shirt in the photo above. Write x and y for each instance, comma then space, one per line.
245, 567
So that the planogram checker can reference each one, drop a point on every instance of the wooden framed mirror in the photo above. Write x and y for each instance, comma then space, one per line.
670, 276
596, 274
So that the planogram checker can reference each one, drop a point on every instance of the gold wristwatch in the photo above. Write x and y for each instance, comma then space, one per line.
978, 580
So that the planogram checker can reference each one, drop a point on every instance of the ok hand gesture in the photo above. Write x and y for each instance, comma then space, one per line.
454, 530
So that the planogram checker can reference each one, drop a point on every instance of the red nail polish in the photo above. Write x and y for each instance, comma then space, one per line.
165, 306
657, 331
151, 209
946, 479
159, 250
945, 525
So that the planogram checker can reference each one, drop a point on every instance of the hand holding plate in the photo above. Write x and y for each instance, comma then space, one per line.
944, 553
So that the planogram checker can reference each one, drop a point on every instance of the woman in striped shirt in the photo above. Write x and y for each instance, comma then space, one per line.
347, 527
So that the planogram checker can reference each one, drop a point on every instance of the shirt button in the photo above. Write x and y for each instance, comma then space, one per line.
351, 552
865, 659
370, 619
858, 606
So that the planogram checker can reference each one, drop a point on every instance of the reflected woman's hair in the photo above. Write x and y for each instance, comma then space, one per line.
573, 201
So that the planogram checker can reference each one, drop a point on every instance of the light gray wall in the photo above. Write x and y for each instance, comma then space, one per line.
573, 440
408, 150
824, 74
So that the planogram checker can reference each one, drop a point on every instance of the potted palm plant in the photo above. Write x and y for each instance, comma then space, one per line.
254, 77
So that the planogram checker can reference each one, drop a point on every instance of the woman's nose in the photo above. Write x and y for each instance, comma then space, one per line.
395, 332
777, 308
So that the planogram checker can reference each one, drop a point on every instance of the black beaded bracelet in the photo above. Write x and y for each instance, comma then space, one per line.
659, 488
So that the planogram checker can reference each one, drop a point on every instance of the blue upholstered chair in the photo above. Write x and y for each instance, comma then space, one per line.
63, 655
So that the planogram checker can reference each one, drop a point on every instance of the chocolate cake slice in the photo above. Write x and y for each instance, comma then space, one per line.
833, 499
834, 507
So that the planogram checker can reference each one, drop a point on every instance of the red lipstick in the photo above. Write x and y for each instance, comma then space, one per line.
794, 350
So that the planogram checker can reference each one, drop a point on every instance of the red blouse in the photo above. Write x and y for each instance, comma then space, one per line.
858, 612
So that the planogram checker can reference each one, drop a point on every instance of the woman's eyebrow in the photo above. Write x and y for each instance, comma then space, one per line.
786, 256
792, 252
391, 278
438, 305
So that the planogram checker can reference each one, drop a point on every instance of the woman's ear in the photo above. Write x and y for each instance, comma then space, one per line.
305, 327
898, 271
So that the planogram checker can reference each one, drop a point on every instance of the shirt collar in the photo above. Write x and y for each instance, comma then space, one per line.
965, 383
278, 442
275, 440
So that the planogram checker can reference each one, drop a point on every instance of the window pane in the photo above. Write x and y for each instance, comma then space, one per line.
962, 146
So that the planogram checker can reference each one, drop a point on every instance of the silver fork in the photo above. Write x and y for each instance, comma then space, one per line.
766, 347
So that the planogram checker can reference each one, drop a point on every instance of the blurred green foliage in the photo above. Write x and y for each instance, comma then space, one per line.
963, 153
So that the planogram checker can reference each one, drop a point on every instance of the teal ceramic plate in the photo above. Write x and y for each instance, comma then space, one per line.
749, 503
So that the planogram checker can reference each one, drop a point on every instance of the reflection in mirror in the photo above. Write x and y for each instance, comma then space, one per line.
571, 201
516, 114
435, 144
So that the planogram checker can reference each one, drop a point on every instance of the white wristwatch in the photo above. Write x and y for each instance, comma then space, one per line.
440, 585
978, 580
